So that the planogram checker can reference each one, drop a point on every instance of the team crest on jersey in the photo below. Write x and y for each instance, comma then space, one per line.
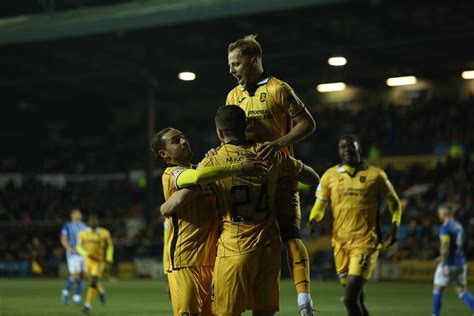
362, 179
263, 97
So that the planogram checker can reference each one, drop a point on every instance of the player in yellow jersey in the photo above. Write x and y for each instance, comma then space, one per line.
192, 228
247, 271
95, 244
277, 118
354, 188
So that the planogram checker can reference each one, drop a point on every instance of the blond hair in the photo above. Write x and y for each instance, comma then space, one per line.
247, 45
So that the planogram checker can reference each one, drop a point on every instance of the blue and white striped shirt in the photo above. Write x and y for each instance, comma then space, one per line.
71, 230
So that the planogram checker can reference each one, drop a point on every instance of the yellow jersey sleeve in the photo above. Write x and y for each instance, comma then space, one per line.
322, 192
288, 100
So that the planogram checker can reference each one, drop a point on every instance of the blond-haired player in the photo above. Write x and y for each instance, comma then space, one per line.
192, 227
247, 270
354, 188
277, 118
95, 244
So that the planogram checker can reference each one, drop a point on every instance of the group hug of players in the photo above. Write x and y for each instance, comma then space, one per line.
243, 198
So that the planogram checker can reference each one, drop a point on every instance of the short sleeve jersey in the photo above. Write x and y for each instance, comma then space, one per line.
247, 204
269, 110
354, 200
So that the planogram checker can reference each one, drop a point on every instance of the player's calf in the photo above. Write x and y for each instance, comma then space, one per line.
465, 297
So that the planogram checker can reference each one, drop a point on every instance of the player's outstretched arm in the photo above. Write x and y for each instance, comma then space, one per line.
178, 200
248, 167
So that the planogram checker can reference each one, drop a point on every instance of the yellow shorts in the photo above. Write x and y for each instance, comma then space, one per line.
249, 281
190, 290
288, 208
94, 268
356, 261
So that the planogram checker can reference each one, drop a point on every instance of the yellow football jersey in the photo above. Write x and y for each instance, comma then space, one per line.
191, 234
247, 204
269, 110
354, 201
96, 243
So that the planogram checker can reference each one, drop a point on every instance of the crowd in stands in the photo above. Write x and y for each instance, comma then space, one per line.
425, 128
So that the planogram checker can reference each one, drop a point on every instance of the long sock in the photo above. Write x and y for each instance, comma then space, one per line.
437, 302
298, 261
467, 298
78, 287
100, 288
69, 283
91, 293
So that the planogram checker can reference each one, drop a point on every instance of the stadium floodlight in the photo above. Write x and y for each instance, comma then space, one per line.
187, 76
331, 87
468, 74
337, 61
401, 81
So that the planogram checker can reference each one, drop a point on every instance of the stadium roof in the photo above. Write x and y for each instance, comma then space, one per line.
378, 38
133, 15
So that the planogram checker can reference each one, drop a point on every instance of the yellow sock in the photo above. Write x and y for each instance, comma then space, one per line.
91, 293
298, 261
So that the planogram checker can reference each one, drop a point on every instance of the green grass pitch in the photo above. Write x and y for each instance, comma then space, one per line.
41, 297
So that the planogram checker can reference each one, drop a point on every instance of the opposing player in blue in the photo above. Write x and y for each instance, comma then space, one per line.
75, 262
452, 266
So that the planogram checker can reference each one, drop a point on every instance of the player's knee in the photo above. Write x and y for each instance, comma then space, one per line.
94, 282
350, 301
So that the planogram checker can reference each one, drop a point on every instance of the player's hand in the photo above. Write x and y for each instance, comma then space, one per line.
268, 151
253, 167
212, 152
391, 238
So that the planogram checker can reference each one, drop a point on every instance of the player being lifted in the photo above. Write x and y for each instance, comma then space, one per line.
247, 270
279, 119
353, 188
75, 262
452, 265
192, 221
95, 244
